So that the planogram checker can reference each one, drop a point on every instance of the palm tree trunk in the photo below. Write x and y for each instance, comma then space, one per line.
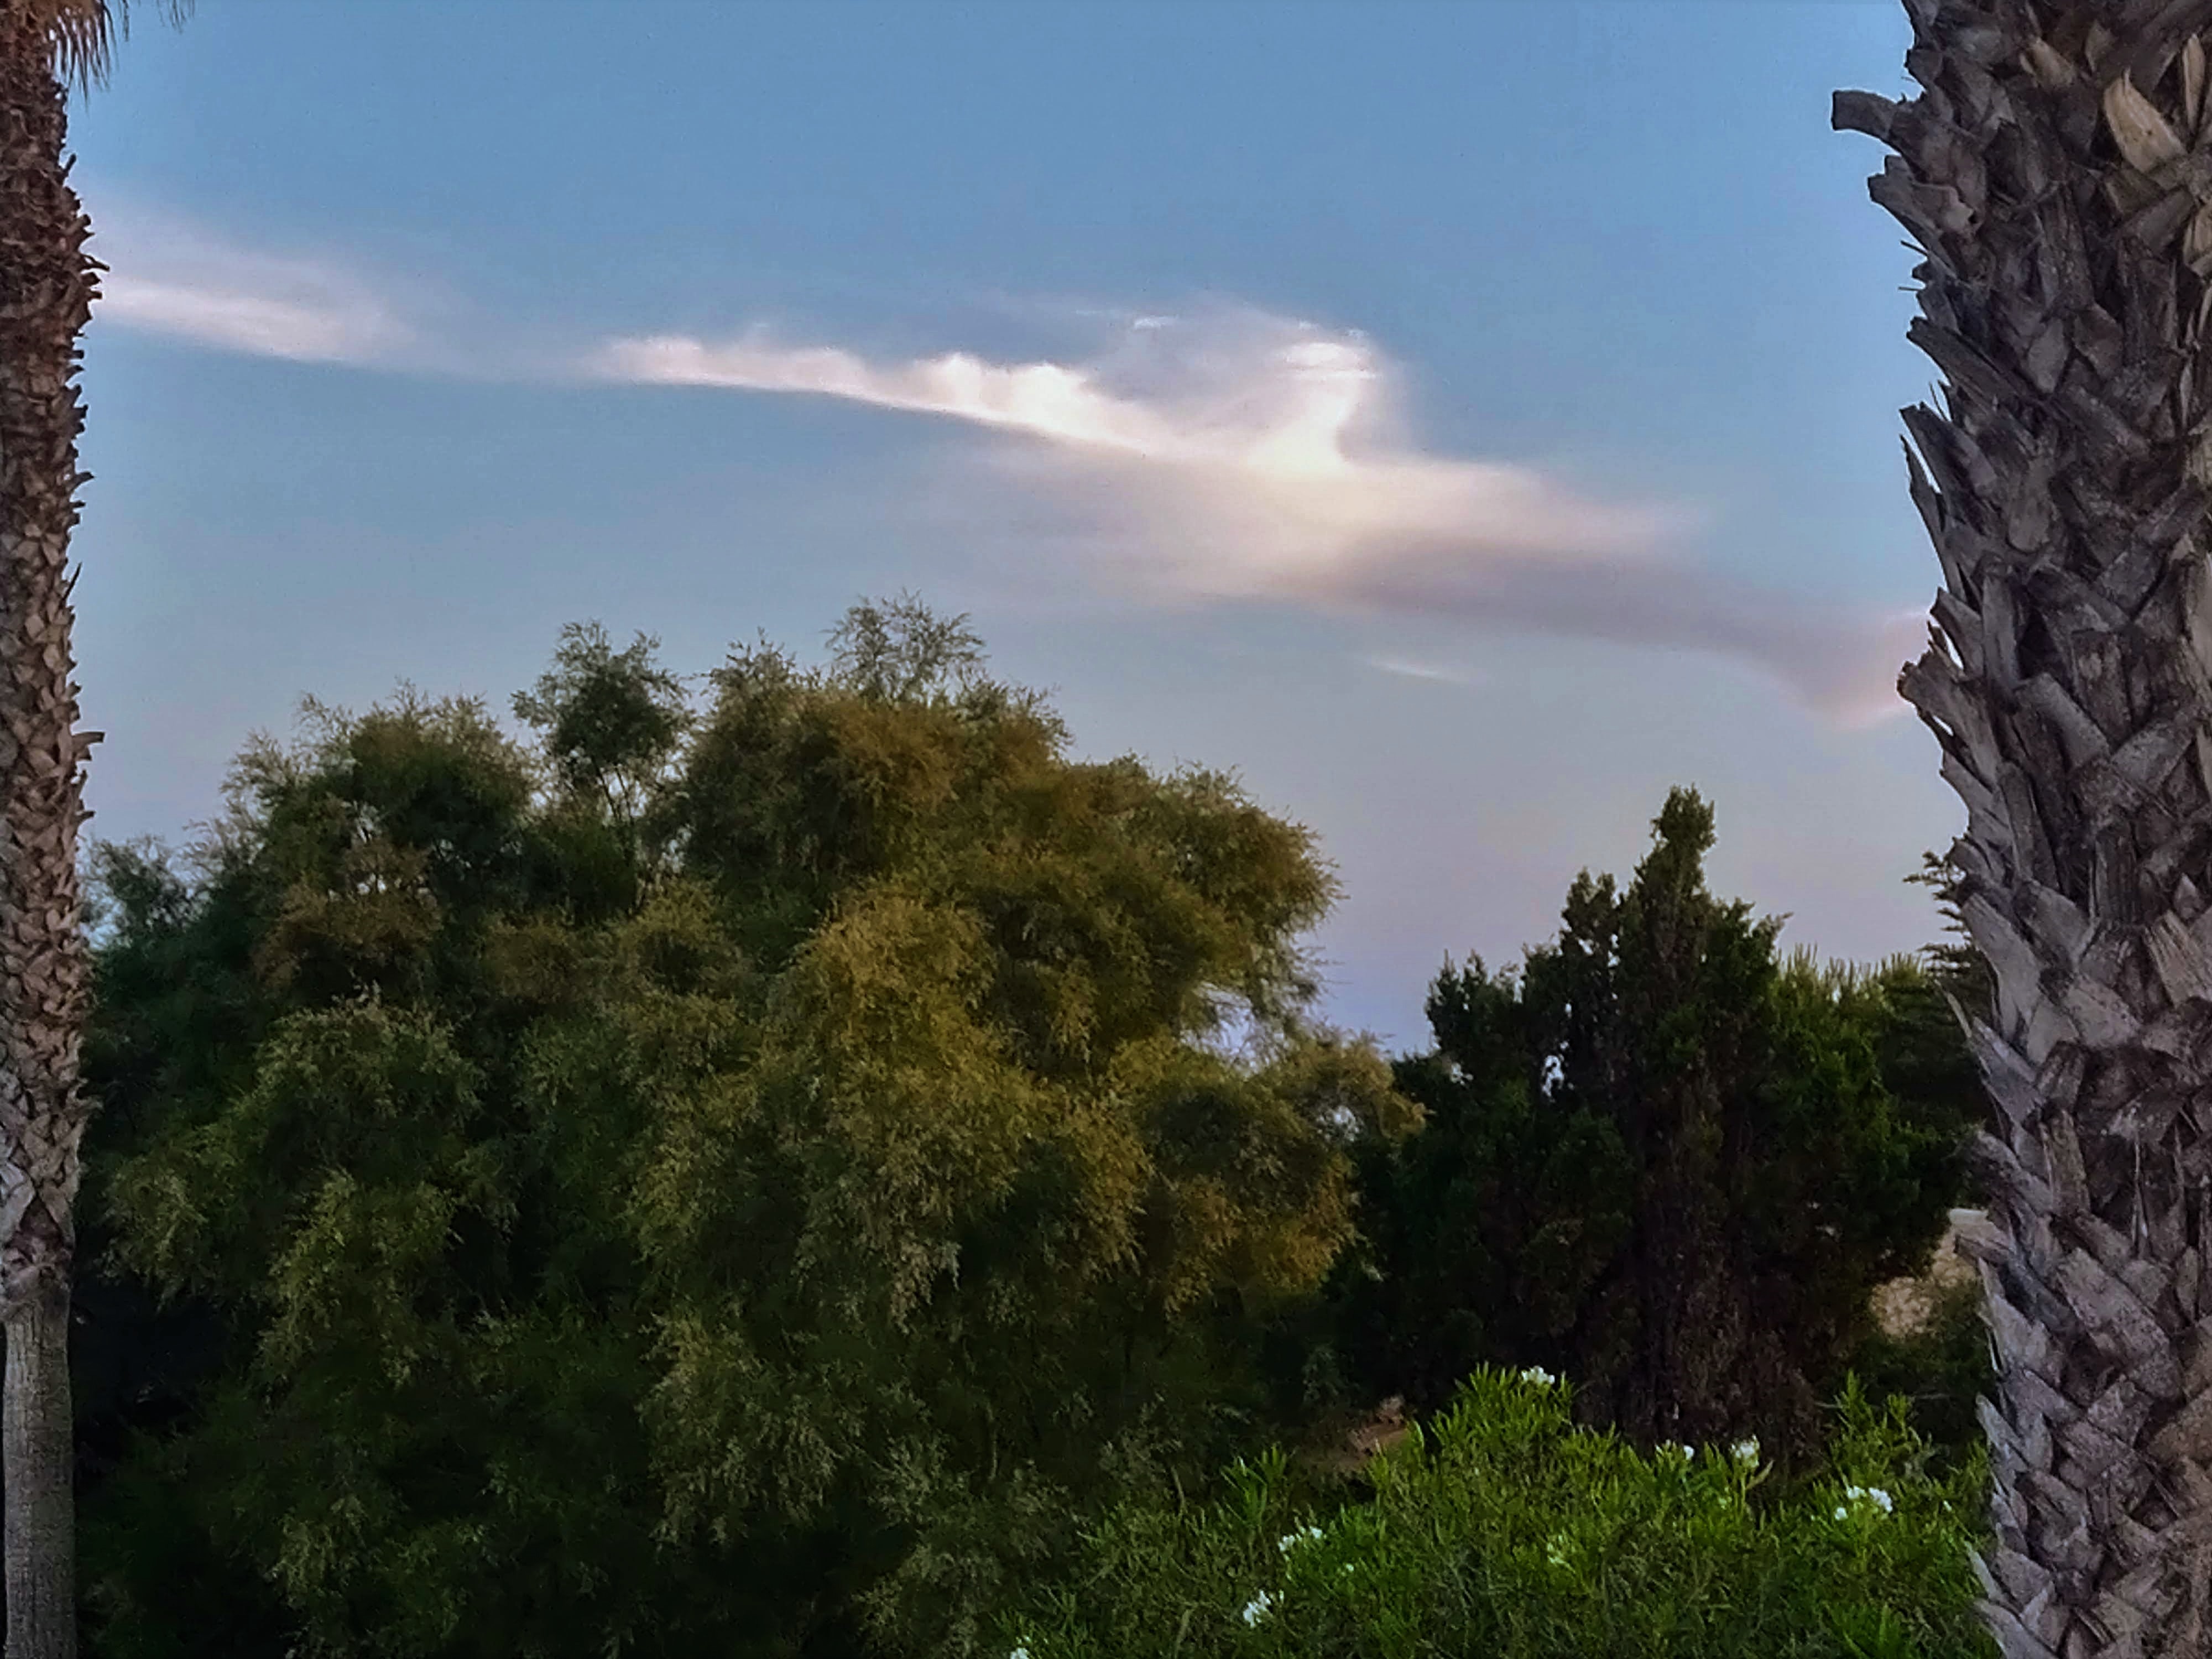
41, 1522
46, 290
2056, 171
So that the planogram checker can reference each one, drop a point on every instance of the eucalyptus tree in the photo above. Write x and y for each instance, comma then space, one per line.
47, 286
763, 1207
2055, 173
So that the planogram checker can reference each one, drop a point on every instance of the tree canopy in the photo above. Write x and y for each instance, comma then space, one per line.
754, 1163
731, 1178
1662, 1159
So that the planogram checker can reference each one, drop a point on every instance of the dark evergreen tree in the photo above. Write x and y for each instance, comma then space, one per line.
1660, 1159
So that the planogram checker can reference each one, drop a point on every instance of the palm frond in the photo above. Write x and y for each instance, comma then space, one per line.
84, 34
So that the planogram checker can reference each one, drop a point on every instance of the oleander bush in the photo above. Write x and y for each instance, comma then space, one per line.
1503, 1528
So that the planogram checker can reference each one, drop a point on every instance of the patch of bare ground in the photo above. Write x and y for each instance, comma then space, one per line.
1903, 1306
1346, 1448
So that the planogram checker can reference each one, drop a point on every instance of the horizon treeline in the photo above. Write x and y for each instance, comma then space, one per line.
758, 1173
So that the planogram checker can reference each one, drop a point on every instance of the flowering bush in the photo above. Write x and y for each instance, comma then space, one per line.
1503, 1529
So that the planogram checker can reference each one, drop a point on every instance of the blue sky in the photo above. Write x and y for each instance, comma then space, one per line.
1463, 421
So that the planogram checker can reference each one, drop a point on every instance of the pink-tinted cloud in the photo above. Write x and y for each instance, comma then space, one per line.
1235, 455
1224, 455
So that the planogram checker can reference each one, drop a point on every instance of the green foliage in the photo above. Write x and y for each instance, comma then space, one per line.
1662, 1159
746, 1181
1504, 1529
899, 650
1940, 1370
1957, 966
610, 721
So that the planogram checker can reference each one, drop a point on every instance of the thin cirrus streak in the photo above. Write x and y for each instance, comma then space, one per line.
1406, 669
1224, 455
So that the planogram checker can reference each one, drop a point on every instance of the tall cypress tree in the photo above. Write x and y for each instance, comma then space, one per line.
1660, 1159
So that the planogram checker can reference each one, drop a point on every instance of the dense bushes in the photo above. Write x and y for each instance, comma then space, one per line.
1938, 1370
744, 1184
1507, 1531
1661, 1160
761, 1179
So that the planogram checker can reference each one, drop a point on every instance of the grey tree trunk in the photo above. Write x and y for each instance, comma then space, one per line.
46, 290
2056, 171
35, 1441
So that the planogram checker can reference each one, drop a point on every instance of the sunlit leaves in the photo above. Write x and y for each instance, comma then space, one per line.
794, 1148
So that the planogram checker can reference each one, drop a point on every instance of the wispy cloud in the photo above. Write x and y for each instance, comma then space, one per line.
1437, 673
1266, 415
1235, 455
171, 278
1223, 454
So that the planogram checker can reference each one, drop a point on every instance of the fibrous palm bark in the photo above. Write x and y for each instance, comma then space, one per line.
2056, 173
46, 290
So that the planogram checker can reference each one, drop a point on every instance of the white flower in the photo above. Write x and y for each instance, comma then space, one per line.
1746, 1451
1874, 1495
1346, 1567
1256, 1608
1841, 1511
1290, 1541
1538, 1374
1019, 1653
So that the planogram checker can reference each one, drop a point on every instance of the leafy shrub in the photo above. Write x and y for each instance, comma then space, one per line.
1503, 1529
1939, 1368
